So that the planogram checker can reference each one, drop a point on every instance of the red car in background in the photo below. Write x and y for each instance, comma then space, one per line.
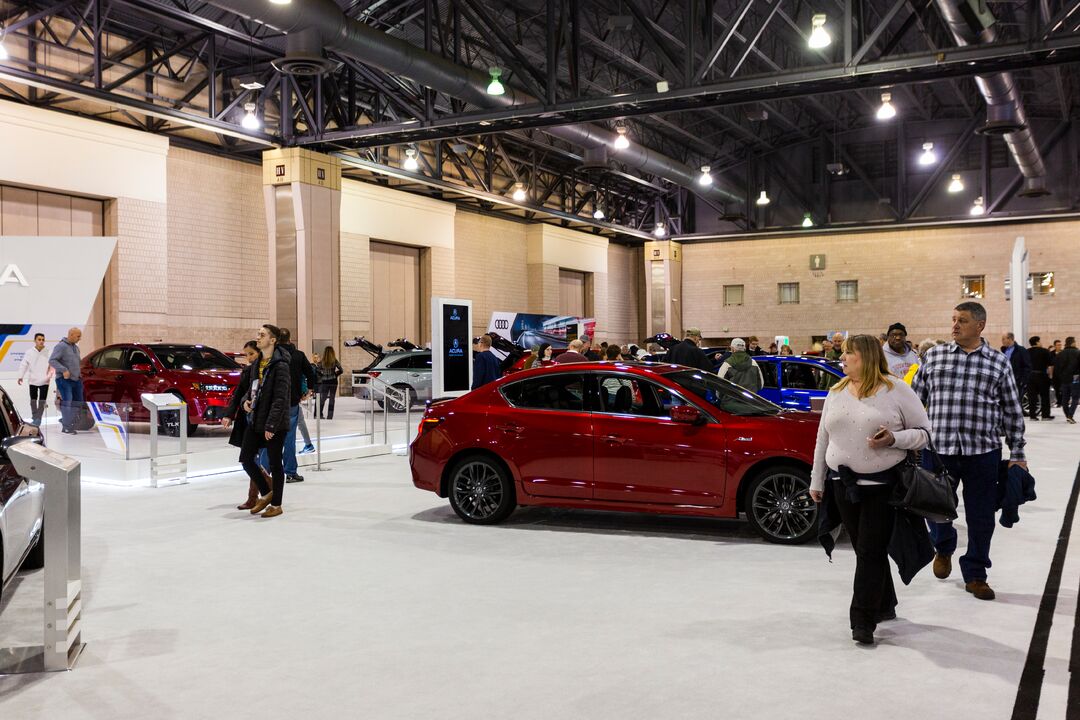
636, 437
201, 376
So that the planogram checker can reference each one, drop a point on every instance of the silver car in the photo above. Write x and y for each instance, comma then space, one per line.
22, 502
409, 370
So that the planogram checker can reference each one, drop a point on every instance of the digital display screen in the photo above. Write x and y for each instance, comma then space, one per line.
457, 348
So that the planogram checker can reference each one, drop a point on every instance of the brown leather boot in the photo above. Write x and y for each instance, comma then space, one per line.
980, 589
261, 503
942, 566
253, 495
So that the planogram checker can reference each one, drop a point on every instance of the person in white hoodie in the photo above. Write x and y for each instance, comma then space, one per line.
898, 353
35, 364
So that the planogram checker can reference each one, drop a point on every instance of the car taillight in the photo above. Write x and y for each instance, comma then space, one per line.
374, 373
426, 424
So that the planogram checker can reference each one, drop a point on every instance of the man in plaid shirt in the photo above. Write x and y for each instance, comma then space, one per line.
971, 398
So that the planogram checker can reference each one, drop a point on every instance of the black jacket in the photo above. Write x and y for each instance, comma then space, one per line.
1021, 365
1040, 360
329, 376
1015, 486
299, 367
688, 354
486, 369
271, 411
236, 402
1067, 365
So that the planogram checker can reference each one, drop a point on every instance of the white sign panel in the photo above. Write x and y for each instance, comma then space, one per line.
51, 280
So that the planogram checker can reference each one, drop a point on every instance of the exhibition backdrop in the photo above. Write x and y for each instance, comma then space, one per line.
531, 330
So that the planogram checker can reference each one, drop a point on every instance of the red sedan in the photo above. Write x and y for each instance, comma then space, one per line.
620, 436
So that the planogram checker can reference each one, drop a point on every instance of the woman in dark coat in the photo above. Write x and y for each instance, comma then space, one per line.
239, 419
266, 406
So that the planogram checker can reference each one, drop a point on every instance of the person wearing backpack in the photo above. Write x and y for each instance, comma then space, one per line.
741, 369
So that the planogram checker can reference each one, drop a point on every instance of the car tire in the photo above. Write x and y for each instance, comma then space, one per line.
396, 406
35, 559
779, 507
481, 491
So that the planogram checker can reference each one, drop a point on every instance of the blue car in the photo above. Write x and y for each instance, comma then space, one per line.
792, 380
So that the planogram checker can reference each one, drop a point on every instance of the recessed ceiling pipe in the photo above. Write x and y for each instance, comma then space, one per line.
1005, 113
324, 21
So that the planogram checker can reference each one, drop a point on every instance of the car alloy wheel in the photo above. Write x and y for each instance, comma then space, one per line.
779, 506
396, 405
480, 491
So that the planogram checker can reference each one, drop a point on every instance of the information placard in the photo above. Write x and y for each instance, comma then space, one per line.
451, 344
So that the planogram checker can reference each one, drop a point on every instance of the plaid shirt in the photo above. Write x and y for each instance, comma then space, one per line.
971, 397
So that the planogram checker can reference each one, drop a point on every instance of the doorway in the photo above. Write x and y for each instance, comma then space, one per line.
395, 293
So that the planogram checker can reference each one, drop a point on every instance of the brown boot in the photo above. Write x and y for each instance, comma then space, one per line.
980, 589
253, 495
273, 511
942, 566
261, 504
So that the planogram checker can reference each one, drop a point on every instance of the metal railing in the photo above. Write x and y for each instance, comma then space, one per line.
391, 394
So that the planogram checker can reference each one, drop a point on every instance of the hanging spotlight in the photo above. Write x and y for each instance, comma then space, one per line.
659, 230
519, 192
598, 213
886, 111
957, 185
622, 142
410, 163
251, 120
819, 36
763, 199
979, 208
807, 221
928, 157
495, 87
706, 178
280, 2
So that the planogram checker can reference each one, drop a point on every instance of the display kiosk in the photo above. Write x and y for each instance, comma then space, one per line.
169, 469
63, 562
451, 347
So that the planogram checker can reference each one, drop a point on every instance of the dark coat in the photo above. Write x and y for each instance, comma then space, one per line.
689, 354
1015, 486
1066, 365
1040, 360
271, 411
570, 357
329, 376
299, 367
486, 369
1021, 365
236, 402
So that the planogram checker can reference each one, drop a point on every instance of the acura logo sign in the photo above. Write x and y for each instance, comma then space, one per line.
13, 275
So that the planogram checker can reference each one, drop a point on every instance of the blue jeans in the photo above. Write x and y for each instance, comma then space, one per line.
71, 394
979, 475
289, 456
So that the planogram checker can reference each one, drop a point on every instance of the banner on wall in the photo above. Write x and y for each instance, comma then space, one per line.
531, 330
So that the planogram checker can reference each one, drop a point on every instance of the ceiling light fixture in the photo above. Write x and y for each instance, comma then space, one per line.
3, 50
495, 87
886, 111
250, 120
979, 208
957, 185
253, 85
519, 193
622, 142
819, 36
706, 178
763, 199
807, 221
410, 163
928, 157
280, 2
659, 230
598, 213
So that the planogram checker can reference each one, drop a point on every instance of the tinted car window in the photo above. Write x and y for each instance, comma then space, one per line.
555, 391
110, 359
721, 394
190, 357
632, 396
11, 420
804, 376
768, 374
137, 357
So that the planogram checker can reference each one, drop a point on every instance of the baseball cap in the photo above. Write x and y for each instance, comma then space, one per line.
738, 344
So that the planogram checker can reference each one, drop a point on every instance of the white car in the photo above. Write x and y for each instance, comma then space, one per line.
22, 502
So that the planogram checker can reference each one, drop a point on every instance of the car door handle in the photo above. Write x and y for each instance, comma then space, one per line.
515, 429
615, 439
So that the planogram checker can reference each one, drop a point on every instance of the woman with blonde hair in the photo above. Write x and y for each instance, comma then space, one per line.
869, 423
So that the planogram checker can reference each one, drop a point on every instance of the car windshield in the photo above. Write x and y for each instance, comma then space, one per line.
193, 357
722, 394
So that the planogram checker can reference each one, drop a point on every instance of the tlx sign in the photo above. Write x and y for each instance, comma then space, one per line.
12, 275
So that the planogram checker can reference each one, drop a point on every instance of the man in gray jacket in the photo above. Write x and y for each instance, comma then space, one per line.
65, 360
898, 353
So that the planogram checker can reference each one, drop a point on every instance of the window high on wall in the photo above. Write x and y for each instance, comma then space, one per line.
788, 293
973, 286
1041, 283
847, 291
733, 295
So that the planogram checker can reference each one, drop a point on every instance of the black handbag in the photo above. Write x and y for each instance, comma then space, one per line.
931, 495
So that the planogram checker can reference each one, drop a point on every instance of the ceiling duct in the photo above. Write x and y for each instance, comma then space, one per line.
337, 32
304, 55
972, 23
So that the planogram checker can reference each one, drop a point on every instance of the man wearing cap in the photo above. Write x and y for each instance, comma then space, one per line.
741, 369
688, 353
898, 353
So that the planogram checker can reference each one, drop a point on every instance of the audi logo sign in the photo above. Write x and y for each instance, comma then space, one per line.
502, 324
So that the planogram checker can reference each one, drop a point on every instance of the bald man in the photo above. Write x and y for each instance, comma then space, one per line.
65, 360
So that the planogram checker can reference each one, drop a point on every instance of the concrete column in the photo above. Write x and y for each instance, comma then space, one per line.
302, 193
663, 287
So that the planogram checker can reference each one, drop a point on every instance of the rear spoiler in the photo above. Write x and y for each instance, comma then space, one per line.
664, 340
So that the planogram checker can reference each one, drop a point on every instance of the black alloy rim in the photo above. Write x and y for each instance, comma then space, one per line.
478, 490
782, 506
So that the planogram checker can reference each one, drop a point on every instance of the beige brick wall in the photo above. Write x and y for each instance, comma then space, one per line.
910, 276
490, 265
355, 299
624, 295
141, 269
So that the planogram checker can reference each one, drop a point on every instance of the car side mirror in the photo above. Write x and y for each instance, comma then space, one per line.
145, 368
687, 414
8, 442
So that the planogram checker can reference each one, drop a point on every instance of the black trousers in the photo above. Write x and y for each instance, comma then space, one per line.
869, 523
1039, 396
38, 395
327, 391
249, 454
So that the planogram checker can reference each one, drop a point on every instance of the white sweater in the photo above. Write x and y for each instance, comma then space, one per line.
847, 423
36, 364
